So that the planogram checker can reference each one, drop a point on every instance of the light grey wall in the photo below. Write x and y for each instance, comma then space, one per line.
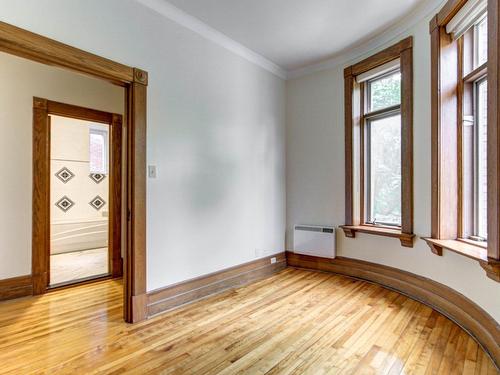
216, 130
315, 177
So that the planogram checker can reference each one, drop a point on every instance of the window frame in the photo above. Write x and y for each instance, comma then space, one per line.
475, 233
366, 125
355, 152
450, 101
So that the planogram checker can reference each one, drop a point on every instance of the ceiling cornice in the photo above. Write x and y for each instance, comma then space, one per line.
426, 9
165, 8
177, 15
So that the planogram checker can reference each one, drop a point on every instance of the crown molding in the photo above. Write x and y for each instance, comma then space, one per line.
394, 32
175, 14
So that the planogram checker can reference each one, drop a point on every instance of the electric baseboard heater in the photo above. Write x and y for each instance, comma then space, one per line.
314, 240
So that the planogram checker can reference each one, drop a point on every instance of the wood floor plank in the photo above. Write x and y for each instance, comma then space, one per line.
295, 322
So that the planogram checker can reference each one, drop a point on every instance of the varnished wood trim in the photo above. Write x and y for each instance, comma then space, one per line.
472, 318
136, 194
35, 47
460, 247
192, 290
388, 54
349, 163
40, 196
492, 270
16, 287
469, 250
448, 11
115, 197
79, 113
140, 76
405, 238
493, 163
476, 73
354, 130
444, 135
407, 145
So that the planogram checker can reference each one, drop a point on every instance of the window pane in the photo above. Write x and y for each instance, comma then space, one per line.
385, 92
98, 151
481, 163
482, 42
384, 170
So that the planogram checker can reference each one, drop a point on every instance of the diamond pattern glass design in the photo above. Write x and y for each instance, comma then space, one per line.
65, 203
97, 177
64, 175
97, 203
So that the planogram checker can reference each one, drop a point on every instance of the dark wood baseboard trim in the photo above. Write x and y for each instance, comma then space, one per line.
16, 287
165, 299
472, 318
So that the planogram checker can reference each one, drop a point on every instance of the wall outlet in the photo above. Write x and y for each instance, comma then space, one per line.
152, 171
273, 260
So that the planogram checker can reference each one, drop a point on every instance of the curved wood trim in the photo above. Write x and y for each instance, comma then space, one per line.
468, 315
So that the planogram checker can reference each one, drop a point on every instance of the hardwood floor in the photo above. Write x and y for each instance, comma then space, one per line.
296, 322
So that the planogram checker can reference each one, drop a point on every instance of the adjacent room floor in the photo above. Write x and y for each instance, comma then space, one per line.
296, 322
78, 265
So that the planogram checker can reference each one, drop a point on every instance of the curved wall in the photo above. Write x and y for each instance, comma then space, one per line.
315, 176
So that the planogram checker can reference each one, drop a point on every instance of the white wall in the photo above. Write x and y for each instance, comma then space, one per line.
315, 177
21, 81
216, 130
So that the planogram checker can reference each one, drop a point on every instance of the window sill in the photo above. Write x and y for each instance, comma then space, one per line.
405, 238
470, 250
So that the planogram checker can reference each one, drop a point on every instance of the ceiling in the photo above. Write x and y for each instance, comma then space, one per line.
297, 33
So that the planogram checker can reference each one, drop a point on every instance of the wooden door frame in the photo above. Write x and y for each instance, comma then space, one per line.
26, 44
42, 109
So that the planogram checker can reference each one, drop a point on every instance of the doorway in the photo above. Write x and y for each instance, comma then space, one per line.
79, 154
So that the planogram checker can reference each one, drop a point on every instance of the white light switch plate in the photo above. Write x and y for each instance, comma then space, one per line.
152, 171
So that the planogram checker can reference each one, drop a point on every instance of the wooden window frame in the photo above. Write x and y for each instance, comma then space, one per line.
448, 86
354, 144
23, 43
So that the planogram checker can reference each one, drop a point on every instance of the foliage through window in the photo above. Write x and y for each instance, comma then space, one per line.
382, 123
385, 92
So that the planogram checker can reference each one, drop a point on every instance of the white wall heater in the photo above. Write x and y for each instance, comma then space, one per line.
314, 240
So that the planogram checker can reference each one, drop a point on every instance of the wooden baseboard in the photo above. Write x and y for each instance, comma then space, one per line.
165, 299
472, 318
16, 287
